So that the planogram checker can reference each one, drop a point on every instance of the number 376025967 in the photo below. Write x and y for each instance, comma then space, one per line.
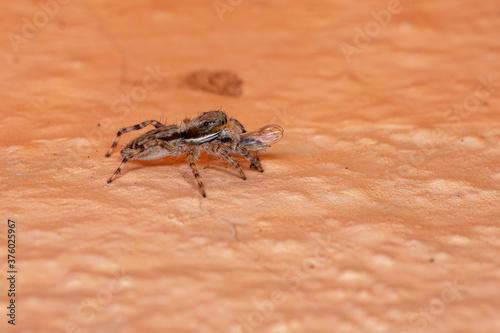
11, 259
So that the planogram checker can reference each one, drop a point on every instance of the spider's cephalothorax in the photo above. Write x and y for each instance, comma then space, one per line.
204, 128
211, 132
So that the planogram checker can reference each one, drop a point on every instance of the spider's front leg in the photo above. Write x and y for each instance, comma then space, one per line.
252, 157
194, 168
132, 128
220, 150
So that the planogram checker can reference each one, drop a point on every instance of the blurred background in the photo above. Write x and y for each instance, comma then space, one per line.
375, 213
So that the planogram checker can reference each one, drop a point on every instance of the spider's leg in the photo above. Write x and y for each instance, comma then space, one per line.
252, 157
132, 128
117, 172
142, 152
227, 156
122, 164
192, 164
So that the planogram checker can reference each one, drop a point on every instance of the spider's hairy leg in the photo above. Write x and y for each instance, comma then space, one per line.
120, 167
252, 157
132, 128
256, 165
144, 152
194, 168
221, 151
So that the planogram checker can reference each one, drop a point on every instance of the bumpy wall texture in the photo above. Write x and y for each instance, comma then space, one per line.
377, 212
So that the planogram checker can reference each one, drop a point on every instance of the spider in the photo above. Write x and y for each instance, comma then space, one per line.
210, 132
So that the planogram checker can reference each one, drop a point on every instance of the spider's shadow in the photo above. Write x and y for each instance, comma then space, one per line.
203, 163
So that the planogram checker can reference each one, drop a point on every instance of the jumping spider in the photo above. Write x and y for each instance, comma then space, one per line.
211, 132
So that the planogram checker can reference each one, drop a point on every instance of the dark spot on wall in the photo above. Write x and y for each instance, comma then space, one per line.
217, 82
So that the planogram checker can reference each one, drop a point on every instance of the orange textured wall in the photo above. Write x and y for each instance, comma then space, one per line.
377, 212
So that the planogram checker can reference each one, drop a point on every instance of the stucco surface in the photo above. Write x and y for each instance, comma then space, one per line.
377, 212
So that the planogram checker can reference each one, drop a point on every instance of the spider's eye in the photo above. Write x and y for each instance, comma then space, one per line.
205, 124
